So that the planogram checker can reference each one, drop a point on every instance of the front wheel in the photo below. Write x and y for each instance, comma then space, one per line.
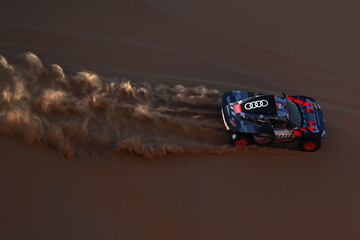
309, 144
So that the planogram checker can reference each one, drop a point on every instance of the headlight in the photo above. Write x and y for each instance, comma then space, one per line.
323, 133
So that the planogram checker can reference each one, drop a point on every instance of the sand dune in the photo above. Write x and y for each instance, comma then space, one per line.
72, 95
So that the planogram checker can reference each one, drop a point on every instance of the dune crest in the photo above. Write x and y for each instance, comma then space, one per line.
70, 113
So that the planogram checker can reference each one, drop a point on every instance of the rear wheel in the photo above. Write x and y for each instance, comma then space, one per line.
309, 144
242, 141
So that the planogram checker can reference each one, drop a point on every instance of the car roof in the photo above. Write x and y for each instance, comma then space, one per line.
263, 104
265, 107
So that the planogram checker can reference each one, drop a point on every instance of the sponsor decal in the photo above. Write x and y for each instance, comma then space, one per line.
256, 104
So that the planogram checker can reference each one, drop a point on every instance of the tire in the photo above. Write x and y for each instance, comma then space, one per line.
242, 141
309, 144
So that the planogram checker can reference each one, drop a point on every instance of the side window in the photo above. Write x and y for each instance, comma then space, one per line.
279, 124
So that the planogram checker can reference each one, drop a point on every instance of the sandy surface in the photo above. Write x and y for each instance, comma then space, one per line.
308, 48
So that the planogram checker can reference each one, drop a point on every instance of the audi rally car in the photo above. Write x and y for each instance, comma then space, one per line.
264, 119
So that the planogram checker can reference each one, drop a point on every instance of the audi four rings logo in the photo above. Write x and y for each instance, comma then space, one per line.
256, 104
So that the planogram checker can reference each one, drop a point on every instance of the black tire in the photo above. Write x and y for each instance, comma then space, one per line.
309, 144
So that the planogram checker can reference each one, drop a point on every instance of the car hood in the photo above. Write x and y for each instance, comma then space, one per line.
312, 117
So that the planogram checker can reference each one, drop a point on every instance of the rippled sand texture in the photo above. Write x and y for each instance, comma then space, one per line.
129, 90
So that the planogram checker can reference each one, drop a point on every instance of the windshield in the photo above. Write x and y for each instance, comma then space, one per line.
294, 115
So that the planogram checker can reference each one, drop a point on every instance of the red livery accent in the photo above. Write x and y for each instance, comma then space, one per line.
311, 129
237, 108
309, 110
311, 122
298, 101
297, 133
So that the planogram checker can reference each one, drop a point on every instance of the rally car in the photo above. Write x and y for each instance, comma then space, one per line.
264, 119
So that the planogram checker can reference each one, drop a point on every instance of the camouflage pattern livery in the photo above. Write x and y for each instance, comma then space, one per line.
270, 116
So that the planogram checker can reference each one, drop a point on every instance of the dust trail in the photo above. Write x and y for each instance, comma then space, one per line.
71, 113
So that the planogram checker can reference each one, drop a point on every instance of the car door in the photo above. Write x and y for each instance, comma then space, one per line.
282, 131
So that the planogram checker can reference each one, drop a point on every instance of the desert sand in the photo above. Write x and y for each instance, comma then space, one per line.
94, 181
